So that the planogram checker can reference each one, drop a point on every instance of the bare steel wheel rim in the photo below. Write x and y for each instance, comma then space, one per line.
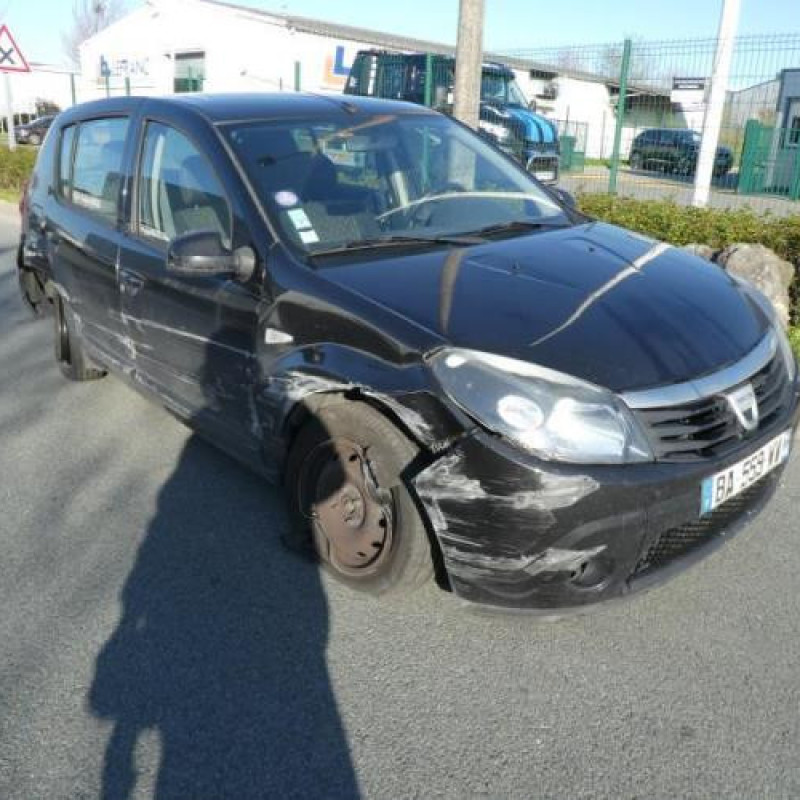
352, 517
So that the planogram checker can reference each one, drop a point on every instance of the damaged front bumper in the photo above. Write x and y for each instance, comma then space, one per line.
519, 532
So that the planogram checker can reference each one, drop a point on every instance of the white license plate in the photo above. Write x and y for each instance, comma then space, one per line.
545, 176
717, 489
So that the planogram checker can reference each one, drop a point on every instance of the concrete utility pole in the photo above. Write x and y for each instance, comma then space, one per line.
712, 120
469, 59
12, 139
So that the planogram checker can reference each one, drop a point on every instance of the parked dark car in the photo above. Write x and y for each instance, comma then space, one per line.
33, 132
449, 367
674, 150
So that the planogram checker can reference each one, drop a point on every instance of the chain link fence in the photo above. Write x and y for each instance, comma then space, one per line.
658, 117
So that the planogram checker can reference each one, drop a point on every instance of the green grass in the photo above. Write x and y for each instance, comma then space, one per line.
794, 339
9, 195
597, 162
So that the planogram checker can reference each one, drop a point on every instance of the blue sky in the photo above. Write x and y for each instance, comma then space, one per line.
38, 24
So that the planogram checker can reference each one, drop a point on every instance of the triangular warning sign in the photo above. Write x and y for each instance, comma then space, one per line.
11, 58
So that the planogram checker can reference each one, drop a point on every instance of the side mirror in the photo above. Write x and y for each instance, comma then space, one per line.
567, 198
202, 253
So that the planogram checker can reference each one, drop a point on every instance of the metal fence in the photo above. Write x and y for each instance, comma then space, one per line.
657, 123
660, 119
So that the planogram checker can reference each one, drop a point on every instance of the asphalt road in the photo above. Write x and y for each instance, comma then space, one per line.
156, 641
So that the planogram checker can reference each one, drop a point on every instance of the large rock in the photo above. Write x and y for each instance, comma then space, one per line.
765, 270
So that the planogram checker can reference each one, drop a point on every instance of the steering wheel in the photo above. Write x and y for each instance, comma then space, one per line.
414, 212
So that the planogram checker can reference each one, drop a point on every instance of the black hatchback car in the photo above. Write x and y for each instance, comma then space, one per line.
449, 367
674, 150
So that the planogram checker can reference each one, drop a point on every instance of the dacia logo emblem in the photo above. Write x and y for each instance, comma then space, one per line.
744, 404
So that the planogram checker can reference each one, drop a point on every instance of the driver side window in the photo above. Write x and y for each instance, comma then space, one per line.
178, 191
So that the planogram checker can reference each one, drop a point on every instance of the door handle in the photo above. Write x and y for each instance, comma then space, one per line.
131, 284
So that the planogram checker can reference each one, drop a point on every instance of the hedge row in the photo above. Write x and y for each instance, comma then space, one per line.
15, 167
679, 225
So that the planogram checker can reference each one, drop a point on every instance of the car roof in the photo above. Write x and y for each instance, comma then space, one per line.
222, 108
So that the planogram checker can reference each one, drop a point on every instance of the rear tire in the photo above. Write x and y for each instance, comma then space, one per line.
35, 139
637, 162
69, 352
348, 502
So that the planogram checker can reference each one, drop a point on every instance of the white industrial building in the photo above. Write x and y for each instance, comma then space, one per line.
167, 46
49, 84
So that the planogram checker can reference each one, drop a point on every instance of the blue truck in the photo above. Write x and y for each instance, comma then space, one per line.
507, 119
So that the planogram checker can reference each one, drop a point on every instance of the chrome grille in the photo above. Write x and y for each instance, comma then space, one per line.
708, 427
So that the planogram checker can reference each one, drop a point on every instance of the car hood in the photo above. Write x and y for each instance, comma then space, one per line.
594, 301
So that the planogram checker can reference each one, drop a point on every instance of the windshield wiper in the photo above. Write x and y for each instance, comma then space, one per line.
517, 226
464, 240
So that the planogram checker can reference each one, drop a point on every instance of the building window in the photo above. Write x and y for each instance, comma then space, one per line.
190, 72
794, 131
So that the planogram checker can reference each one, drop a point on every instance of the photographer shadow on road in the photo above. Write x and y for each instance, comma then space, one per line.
220, 650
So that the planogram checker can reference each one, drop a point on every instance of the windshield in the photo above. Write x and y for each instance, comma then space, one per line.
497, 87
338, 181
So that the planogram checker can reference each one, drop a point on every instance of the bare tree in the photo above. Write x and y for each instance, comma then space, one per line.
88, 18
641, 67
570, 58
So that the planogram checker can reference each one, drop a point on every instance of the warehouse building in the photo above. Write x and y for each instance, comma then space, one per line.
168, 46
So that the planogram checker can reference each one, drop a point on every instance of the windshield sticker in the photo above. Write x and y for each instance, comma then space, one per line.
299, 219
286, 198
308, 237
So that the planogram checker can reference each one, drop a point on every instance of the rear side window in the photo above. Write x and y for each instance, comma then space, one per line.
65, 161
97, 166
178, 189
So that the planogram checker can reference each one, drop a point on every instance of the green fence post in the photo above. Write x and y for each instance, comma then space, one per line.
623, 93
72, 88
428, 103
127, 85
297, 76
428, 80
108, 86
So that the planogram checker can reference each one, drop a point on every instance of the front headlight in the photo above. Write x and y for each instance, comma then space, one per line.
555, 416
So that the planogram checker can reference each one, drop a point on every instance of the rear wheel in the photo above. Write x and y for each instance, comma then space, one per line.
35, 139
69, 352
637, 162
349, 503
